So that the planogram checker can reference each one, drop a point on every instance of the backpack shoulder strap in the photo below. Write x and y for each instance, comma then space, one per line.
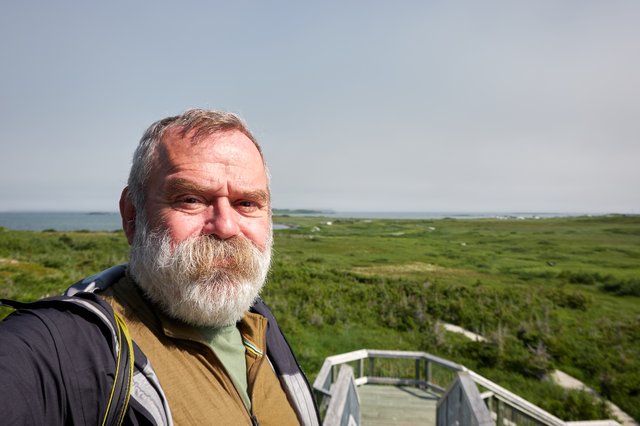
122, 346
136, 383
123, 379
98, 282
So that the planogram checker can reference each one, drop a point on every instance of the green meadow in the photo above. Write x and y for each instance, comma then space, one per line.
547, 294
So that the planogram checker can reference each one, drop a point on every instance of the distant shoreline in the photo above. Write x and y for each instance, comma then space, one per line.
111, 221
449, 215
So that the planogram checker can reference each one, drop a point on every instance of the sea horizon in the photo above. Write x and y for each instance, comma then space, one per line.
110, 221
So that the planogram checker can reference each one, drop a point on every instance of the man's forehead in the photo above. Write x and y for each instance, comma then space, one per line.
230, 154
176, 142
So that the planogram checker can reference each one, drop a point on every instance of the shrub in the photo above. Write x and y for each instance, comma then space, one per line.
575, 405
569, 299
623, 287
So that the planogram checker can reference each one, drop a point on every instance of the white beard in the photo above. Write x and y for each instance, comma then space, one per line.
201, 281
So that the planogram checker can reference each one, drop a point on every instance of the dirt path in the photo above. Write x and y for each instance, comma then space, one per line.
568, 382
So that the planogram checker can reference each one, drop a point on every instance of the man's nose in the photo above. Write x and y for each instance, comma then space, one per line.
222, 220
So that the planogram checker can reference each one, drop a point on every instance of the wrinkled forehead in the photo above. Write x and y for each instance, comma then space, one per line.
232, 148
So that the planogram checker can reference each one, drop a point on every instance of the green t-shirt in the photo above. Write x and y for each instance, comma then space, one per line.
227, 344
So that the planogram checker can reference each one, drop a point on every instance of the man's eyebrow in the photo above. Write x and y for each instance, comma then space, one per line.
257, 195
176, 186
182, 185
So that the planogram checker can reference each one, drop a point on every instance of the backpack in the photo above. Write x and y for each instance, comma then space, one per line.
134, 384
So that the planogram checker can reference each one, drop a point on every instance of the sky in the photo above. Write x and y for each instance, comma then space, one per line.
437, 106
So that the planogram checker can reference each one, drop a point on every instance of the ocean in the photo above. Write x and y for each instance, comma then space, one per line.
61, 221
110, 221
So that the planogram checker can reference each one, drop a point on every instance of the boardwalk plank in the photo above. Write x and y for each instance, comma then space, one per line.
396, 405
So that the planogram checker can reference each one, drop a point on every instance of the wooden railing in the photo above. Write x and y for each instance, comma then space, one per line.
366, 361
344, 408
339, 402
462, 404
508, 408
370, 368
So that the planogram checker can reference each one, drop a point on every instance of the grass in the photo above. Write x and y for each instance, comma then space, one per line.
551, 293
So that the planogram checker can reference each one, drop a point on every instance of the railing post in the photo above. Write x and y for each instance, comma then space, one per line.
427, 372
417, 372
344, 405
371, 366
360, 367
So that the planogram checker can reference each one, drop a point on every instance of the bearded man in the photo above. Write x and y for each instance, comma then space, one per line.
180, 334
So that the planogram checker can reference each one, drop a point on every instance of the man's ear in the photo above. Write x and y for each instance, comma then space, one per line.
128, 214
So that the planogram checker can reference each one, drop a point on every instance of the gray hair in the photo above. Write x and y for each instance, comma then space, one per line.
202, 122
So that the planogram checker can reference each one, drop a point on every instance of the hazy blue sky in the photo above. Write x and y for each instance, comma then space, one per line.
359, 105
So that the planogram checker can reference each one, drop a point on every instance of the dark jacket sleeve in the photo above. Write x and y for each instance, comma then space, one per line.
56, 366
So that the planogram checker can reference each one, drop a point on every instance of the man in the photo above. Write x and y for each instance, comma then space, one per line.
197, 215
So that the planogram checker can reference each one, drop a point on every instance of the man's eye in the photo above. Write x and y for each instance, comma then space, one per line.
190, 203
247, 205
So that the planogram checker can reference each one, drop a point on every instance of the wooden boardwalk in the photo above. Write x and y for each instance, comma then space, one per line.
396, 405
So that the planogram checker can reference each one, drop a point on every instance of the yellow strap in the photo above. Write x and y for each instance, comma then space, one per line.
122, 331
127, 338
